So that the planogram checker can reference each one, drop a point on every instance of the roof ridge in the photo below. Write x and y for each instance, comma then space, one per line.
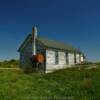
51, 43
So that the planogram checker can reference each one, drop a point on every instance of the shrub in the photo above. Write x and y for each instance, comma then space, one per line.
28, 70
87, 83
87, 75
12, 60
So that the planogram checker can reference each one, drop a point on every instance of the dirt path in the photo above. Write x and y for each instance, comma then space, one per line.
10, 68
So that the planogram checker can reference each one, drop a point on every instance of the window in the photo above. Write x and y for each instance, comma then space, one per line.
56, 57
66, 57
75, 58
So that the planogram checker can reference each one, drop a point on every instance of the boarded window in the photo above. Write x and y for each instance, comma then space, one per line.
75, 58
56, 57
66, 57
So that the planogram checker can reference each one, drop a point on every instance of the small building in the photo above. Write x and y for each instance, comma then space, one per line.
55, 55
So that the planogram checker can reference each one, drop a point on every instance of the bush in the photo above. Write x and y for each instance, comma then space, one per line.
10, 64
12, 60
28, 70
87, 83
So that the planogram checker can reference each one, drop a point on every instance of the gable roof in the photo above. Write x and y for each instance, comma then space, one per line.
56, 44
28, 38
50, 44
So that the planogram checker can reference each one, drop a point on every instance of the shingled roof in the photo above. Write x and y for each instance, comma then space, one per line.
56, 44
50, 44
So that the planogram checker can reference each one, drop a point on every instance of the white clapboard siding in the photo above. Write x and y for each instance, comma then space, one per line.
51, 64
71, 59
62, 58
77, 58
50, 57
82, 58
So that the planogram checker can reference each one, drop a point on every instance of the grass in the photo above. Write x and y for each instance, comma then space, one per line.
67, 84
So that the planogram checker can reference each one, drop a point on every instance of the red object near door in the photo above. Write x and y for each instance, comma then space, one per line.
40, 58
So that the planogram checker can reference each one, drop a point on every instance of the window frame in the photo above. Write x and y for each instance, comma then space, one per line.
56, 58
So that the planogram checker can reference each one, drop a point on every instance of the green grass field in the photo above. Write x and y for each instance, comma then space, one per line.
68, 84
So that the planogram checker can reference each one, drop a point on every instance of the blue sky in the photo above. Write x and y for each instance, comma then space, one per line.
76, 22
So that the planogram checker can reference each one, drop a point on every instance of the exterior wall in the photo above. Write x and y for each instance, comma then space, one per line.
39, 47
50, 57
65, 59
78, 58
25, 56
71, 58
62, 58
81, 58
51, 64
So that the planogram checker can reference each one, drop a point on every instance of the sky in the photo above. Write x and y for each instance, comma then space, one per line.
76, 22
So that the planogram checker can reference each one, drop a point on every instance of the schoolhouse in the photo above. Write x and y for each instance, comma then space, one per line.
47, 54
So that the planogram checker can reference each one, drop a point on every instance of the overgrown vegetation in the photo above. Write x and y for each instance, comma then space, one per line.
67, 84
9, 64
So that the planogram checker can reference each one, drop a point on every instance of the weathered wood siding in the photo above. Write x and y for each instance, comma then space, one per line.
39, 48
25, 56
50, 57
81, 58
51, 64
78, 58
71, 58
62, 58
